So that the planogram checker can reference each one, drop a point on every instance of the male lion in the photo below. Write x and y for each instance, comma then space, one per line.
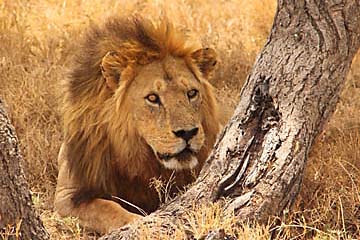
137, 106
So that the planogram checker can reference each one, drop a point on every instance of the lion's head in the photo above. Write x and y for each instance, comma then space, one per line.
138, 101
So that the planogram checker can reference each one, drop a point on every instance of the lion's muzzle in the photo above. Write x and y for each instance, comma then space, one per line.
179, 149
185, 159
181, 156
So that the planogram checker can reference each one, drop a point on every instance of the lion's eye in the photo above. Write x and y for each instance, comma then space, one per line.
192, 94
153, 98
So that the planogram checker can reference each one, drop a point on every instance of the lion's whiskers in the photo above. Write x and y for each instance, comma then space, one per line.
130, 204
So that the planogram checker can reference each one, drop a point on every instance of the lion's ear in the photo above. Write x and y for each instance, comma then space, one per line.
205, 59
111, 67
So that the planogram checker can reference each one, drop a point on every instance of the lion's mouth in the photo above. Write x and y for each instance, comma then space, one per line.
181, 156
185, 159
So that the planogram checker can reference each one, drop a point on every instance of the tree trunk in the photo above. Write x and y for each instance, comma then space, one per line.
18, 219
259, 159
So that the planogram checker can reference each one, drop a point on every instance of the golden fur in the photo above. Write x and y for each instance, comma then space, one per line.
106, 151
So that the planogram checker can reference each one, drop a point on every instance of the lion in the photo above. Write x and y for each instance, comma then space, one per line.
137, 106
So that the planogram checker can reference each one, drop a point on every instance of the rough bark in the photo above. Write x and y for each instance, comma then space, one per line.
258, 161
16, 209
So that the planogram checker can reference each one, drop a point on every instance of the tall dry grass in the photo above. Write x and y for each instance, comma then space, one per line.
37, 39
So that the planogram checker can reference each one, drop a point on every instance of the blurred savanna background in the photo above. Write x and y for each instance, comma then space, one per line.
37, 39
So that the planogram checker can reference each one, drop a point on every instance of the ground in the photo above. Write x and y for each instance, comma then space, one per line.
37, 41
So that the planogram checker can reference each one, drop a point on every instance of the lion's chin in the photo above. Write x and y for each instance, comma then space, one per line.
183, 160
175, 164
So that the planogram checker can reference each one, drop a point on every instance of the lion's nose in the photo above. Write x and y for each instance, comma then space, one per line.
186, 134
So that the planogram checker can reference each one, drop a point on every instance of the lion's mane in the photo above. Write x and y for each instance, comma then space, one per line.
92, 114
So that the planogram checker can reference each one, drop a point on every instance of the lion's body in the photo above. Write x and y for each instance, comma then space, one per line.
115, 141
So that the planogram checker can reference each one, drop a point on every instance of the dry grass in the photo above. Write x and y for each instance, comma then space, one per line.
37, 39
201, 221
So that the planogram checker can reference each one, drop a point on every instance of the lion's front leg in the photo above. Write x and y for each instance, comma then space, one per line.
98, 214
103, 216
